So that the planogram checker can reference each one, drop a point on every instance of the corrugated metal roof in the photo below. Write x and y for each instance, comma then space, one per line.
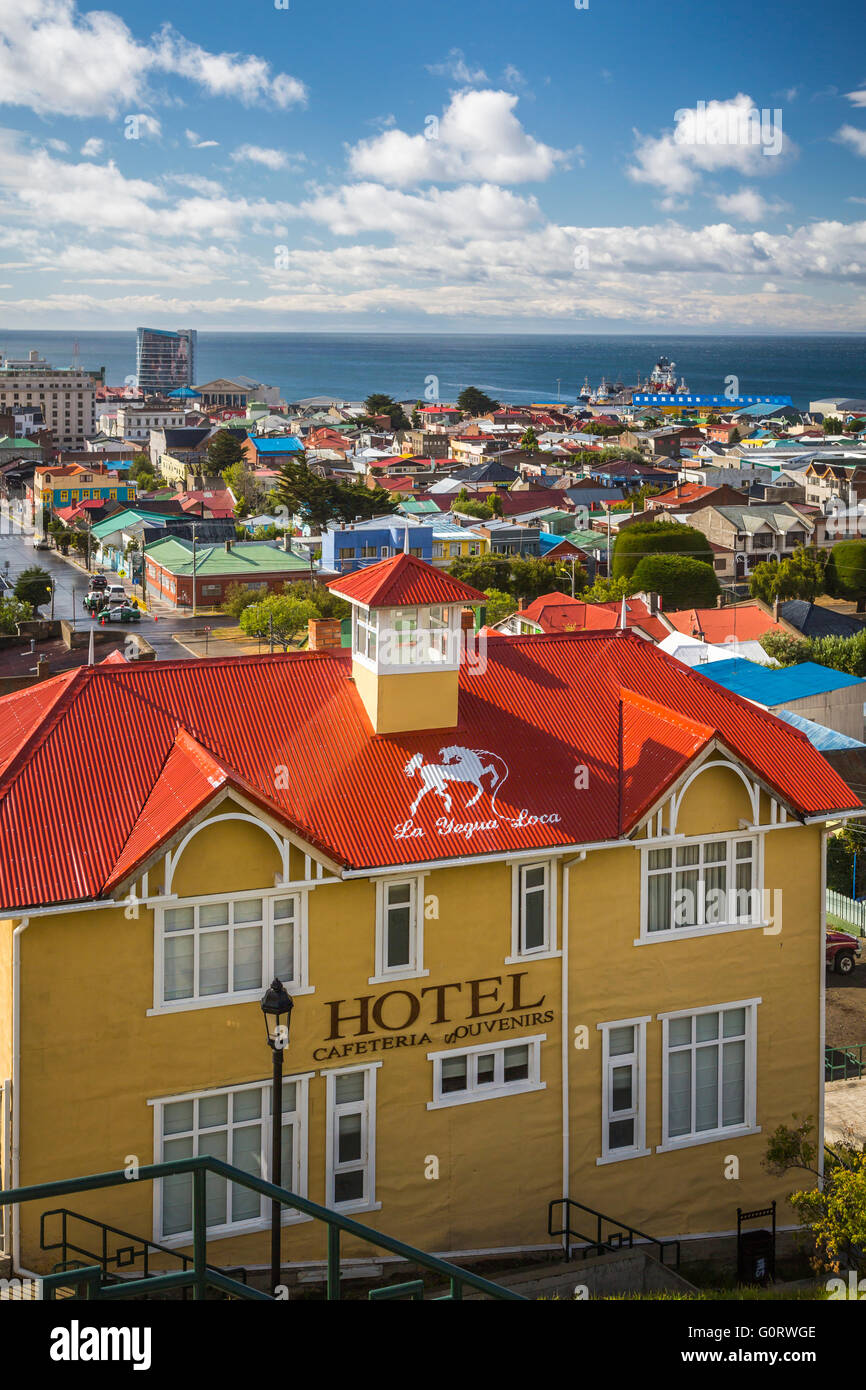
773, 686
818, 735
79, 809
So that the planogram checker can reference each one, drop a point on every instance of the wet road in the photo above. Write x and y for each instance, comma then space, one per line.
18, 553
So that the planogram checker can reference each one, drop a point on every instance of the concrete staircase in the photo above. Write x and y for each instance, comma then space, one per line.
621, 1272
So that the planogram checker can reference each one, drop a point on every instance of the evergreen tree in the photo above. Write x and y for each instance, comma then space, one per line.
223, 450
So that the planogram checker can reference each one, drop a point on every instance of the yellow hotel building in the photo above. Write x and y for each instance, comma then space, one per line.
551, 914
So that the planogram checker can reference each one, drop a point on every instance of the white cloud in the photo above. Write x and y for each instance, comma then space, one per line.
857, 98
92, 148
197, 143
196, 182
456, 213
51, 191
709, 137
747, 205
59, 145
854, 138
478, 138
456, 67
272, 159
57, 60
226, 74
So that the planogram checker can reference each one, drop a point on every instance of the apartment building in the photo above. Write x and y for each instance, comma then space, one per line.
65, 396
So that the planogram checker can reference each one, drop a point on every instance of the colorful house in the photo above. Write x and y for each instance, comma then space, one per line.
359, 544
551, 915
55, 486
185, 574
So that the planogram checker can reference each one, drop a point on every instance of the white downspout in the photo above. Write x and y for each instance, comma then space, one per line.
822, 962
566, 1037
17, 1268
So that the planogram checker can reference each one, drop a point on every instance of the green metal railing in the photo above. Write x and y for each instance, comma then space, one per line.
846, 1063
200, 1276
610, 1235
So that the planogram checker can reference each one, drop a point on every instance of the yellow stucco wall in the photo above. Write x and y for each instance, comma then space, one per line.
414, 700
92, 1057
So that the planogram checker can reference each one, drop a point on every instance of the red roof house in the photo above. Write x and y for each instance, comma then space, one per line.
187, 733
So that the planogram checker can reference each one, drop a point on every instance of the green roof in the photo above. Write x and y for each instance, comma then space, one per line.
421, 504
7, 442
118, 520
245, 559
587, 540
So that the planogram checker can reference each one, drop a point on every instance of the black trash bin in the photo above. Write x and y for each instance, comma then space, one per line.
756, 1250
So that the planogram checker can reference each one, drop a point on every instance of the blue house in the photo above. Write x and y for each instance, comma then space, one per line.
352, 547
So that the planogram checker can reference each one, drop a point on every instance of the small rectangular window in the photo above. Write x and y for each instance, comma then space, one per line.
623, 1064
351, 1105
482, 1073
533, 925
399, 943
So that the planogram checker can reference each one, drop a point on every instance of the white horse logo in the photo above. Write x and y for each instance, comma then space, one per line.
458, 765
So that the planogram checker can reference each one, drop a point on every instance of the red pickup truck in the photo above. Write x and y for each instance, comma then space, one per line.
842, 951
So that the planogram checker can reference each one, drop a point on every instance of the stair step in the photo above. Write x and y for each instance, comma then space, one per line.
630, 1271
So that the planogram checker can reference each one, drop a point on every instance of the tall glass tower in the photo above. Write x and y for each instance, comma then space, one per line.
164, 360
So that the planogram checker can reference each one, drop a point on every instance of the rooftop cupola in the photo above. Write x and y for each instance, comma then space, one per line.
407, 642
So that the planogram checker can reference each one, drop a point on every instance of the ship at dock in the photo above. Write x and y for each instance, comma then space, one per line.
662, 380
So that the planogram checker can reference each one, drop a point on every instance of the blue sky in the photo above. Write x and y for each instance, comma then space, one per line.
478, 167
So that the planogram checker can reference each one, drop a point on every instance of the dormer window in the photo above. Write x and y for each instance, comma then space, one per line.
401, 638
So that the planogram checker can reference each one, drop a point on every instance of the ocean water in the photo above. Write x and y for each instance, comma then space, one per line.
517, 368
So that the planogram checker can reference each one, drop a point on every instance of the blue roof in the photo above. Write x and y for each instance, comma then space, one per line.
283, 443
774, 686
183, 393
822, 738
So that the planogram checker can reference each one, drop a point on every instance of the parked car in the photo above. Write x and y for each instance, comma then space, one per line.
120, 613
98, 582
41, 542
115, 593
94, 601
842, 951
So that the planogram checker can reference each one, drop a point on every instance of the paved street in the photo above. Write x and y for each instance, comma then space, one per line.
17, 553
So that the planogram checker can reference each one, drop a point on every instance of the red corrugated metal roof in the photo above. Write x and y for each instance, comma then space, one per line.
544, 706
743, 621
404, 581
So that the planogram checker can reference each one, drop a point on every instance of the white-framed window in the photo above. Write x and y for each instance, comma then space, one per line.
350, 1166
364, 632
623, 1109
709, 1073
224, 949
466, 1074
439, 629
438, 550
533, 910
399, 929
233, 1124
701, 885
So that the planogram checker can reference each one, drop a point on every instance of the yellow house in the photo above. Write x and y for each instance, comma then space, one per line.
550, 911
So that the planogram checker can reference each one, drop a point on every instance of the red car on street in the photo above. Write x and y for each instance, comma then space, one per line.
842, 951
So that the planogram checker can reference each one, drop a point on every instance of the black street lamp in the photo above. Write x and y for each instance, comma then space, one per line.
277, 1007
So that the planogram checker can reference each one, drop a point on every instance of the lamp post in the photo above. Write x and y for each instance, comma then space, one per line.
277, 1007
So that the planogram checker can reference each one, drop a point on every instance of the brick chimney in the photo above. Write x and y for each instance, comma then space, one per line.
325, 635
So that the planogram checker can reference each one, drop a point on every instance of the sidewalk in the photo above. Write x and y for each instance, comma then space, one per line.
220, 641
